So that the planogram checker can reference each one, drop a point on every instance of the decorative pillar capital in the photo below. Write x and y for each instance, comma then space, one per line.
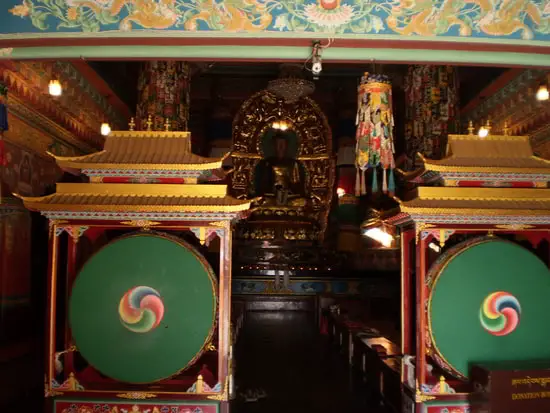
75, 232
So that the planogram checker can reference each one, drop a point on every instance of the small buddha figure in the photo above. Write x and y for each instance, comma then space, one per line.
280, 179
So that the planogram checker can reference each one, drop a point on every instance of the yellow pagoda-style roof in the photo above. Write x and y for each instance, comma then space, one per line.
143, 150
492, 154
449, 201
139, 198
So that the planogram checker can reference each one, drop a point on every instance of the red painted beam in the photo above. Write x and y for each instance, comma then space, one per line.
292, 42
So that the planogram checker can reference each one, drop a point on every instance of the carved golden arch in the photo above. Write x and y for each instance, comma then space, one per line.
314, 150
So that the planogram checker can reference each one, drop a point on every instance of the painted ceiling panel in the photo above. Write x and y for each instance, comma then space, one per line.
479, 19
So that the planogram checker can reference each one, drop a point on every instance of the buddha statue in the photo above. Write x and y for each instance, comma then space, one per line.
280, 179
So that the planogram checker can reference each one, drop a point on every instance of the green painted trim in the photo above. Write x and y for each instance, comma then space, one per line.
281, 52
179, 34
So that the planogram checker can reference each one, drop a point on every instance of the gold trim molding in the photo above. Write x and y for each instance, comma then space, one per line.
137, 395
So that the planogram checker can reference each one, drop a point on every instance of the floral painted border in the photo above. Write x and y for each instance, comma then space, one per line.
516, 19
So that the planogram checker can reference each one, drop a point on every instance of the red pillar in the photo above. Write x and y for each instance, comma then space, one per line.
72, 249
406, 272
51, 304
420, 315
225, 306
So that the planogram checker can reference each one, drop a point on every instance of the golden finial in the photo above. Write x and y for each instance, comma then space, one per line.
200, 384
132, 124
488, 125
149, 122
72, 383
167, 124
506, 129
442, 385
470, 128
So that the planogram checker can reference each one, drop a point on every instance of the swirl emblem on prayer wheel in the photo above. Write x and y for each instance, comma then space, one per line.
141, 309
500, 313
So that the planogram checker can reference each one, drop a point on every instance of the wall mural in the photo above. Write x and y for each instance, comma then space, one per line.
27, 173
28, 170
509, 102
511, 19
79, 110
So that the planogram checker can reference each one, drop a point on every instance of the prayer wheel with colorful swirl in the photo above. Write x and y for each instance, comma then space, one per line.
143, 308
488, 302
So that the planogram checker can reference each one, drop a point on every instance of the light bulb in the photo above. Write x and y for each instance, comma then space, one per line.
380, 236
434, 247
54, 88
340, 192
105, 129
542, 93
283, 126
276, 125
483, 132
317, 67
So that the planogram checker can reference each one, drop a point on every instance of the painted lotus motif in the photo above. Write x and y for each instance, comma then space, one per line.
328, 17
516, 19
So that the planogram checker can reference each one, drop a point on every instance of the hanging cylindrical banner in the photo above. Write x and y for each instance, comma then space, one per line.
164, 95
374, 133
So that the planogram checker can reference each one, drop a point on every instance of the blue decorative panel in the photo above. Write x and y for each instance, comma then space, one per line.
306, 286
504, 19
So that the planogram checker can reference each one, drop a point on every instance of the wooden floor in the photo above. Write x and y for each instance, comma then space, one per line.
282, 353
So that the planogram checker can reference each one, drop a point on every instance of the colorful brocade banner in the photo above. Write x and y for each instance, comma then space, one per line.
374, 133
431, 96
164, 95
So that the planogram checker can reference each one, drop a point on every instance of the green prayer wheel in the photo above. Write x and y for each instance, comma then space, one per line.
143, 308
488, 302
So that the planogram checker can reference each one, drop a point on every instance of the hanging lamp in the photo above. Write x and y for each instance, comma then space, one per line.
55, 88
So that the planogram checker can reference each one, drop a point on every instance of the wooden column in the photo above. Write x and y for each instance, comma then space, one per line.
72, 250
435, 90
225, 305
51, 304
421, 266
406, 278
163, 93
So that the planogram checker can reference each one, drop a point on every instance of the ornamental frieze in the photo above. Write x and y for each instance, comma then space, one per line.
507, 19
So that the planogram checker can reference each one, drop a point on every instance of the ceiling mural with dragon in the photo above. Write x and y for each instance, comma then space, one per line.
488, 19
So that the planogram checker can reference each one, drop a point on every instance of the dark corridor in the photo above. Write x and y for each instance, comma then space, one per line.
282, 353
